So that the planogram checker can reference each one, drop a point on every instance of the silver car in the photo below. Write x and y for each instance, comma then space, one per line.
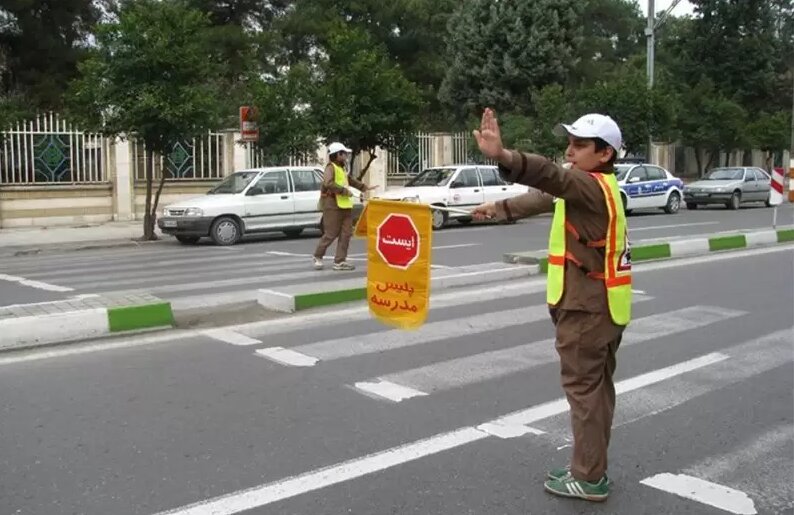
729, 186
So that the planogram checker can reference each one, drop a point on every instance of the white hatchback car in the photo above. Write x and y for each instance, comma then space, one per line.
270, 199
455, 186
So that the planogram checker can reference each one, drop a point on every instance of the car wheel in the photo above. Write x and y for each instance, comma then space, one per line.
673, 203
225, 231
293, 233
439, 219
735, 201
691, 206
188, 240
625, 200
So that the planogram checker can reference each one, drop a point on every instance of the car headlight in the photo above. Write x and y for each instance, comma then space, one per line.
194, 211
414, 199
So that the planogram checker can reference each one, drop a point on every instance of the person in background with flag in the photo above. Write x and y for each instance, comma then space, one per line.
588, 282
337, 206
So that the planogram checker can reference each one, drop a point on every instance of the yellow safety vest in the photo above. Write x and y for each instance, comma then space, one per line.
617, 253
340, 178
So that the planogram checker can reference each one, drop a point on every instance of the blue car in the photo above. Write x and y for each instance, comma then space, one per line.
646, 186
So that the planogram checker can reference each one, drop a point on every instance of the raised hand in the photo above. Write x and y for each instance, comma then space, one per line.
489, 139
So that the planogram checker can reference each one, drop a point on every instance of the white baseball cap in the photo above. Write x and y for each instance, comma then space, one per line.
593, 125
335, 147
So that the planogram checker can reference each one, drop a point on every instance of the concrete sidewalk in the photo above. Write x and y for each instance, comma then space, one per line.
32, 240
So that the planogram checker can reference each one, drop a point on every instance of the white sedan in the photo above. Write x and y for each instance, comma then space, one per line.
456, 186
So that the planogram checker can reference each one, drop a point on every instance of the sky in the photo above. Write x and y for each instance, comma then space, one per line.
682, 8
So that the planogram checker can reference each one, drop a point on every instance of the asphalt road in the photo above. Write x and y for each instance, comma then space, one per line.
161, 422
172, 271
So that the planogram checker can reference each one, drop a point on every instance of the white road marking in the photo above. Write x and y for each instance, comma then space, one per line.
270, 493
748, 359
458, 246
321, 478
386, 390
280, 253
515, 423
486, 366
231, 337
673, 226
381, 341
287, 357
34, 284
704, 492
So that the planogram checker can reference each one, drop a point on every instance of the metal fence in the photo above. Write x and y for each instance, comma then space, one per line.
414, 153
49, 150
255, 157
189, 160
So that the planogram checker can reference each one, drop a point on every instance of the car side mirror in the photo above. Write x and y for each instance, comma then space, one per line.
633, 180
456, 184
255, 191
749, 179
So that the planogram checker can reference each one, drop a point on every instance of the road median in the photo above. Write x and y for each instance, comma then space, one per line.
47, 323
676, 248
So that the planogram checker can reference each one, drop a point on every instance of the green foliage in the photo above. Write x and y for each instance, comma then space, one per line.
154, 74
362, 99
41, 42
499, 52
286, 125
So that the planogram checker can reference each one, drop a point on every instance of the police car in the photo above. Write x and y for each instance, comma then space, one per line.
645, 186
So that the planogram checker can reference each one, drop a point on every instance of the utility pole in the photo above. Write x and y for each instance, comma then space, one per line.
650, 55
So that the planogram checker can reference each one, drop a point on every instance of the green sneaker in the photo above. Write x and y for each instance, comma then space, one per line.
569, 486
561, 472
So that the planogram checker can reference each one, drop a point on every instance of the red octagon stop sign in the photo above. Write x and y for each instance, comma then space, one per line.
398, 241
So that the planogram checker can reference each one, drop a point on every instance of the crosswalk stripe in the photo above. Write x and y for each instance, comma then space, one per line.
157, 276
704, 492
447, 299
79, 258
748, 359
145, 266
432, 332
490, 365
231, 337
516, 423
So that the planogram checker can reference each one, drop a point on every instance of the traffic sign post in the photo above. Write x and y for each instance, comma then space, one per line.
249, 130
776, 193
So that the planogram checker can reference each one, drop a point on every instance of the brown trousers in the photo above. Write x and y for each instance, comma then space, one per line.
587, 343
337, 223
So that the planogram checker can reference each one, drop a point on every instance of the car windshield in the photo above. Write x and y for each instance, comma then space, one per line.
234, 184
432, 177
621, 171
725, 174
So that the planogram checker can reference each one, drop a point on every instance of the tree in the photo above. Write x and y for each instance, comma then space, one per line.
152, 75
711, 123
361, 98
738, 46
639, 112
41, 42
284, 104
770, 132
410, 31
612, 34
499, 52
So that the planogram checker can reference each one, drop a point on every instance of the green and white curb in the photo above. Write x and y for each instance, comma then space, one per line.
81, 324
294, 298
677, 248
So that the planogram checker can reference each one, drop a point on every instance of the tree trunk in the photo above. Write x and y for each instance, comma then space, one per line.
157, 201
727, 158
148, 223
699, 161
364, 170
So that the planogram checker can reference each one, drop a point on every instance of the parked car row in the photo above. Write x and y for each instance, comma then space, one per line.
286, 199
249, 201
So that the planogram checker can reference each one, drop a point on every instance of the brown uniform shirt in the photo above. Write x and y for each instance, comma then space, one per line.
330, 188
585, 209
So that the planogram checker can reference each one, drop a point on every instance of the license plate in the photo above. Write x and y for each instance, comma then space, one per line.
169, 223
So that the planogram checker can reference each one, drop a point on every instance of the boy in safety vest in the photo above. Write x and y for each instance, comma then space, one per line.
589, 278
337, 206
